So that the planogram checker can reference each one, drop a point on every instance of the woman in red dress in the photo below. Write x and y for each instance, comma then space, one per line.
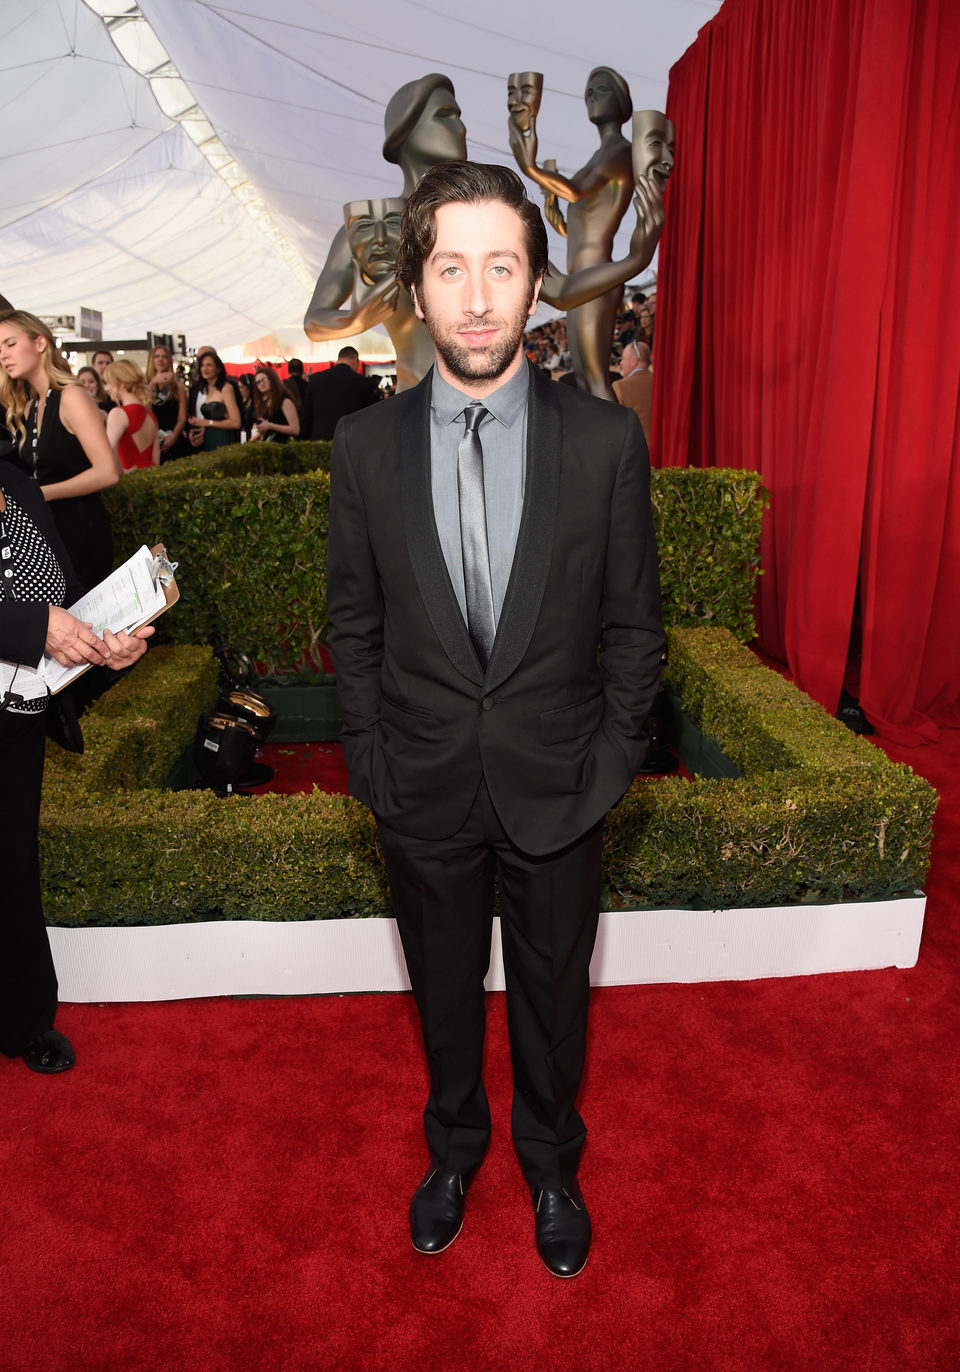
131, 426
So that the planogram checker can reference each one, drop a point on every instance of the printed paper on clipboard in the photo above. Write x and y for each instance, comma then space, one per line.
126, 600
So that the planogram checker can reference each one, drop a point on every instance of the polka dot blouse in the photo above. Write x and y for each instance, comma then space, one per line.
29, 571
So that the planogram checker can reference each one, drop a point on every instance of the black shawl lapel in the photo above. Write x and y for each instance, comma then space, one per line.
531, 562
423, 541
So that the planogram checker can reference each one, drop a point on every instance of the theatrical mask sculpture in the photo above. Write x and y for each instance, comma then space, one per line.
422, 125
598, 194
373, 232
373, 235
654, 145
524, 92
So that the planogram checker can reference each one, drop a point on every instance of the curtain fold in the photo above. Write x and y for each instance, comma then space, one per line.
806, 328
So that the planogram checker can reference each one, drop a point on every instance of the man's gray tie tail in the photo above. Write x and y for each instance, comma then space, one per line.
473, 535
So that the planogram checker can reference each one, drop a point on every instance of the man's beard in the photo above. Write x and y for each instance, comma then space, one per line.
479, 364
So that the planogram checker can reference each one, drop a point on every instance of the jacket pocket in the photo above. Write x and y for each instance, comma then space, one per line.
572, 721
413, 710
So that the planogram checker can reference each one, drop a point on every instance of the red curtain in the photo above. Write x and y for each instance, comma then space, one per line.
808, 327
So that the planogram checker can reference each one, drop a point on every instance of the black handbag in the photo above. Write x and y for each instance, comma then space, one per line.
213, 409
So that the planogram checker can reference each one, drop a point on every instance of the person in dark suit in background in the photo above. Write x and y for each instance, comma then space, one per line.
489, 531
338, 391
296, 383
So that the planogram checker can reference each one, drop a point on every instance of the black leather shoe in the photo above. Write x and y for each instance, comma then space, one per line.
563, 1229
50, 1052
436, 1211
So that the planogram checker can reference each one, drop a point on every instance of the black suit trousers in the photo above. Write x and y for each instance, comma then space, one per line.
443, 893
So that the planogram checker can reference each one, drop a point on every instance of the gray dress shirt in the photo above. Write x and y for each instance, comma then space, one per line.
503, 435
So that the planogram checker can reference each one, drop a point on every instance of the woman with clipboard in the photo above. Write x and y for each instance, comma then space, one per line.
36, 581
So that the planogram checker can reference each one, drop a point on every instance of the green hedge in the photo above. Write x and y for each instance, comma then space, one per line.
248, 527
251, 554
708, 535
819, 814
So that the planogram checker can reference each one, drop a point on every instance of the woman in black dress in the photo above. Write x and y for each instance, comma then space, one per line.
213, 410
169, 404
61, 440
277, 417
36, 581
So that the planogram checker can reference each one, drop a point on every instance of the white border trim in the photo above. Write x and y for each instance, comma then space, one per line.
252, 957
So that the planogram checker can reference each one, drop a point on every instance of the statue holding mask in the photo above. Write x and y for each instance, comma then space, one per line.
422, 125
598, 195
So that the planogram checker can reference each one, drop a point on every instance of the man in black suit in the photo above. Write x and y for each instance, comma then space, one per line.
338, 391
296, 383
489, 531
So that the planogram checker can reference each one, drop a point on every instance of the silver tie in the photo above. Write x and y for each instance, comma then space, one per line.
473, 535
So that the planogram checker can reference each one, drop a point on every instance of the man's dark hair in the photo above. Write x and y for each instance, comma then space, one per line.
295, 366
466, 183
102, 352
637, 299
348, 351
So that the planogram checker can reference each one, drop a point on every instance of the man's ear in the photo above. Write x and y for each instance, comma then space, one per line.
536, 295
416, 302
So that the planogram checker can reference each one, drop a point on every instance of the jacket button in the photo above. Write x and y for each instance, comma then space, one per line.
486, 703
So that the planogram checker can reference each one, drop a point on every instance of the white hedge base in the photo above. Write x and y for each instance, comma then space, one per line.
251, 957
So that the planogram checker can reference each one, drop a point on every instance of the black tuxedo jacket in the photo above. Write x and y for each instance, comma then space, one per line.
330, 395
554, 726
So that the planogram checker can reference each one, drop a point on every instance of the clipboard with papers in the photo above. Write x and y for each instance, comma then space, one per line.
134, 595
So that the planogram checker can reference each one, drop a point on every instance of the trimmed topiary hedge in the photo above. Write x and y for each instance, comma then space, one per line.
708, 535
251, 554
116, 848
248, 526
819, 815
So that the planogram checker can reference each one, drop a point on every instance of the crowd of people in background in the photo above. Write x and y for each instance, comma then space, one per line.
171, 408
631, 357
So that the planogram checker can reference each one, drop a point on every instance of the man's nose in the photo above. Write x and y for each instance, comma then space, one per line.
478, 294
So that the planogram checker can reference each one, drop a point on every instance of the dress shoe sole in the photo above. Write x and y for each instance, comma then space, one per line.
432, 1252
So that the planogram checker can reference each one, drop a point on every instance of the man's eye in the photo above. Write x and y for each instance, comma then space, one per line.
502, 271
450, 271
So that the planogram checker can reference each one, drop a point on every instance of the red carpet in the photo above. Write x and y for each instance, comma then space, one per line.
301, 766
771, 1171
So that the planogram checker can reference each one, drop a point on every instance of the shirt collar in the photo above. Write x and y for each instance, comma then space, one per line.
507, 403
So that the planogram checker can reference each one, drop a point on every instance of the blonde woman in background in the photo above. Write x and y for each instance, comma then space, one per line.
131, 426
169, 403
60, 438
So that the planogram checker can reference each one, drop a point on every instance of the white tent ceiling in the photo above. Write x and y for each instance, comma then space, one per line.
181, 165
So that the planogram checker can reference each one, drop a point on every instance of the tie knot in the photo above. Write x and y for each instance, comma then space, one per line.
472, 416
